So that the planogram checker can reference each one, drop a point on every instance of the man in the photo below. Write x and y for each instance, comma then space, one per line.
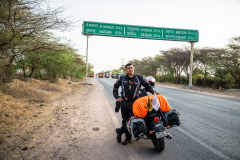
130, 85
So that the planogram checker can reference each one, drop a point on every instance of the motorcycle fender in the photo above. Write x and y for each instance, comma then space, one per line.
158, 126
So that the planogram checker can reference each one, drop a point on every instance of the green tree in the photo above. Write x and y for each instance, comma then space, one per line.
24, 24
115, 71
234, 59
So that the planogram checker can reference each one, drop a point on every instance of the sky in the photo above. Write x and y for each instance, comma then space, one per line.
216, 20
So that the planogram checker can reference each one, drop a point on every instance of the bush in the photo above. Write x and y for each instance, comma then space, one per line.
183, 80
167, 78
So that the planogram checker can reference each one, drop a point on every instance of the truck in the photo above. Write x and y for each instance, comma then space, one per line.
113, 75
107, 75
100, 75
119, 74
91, 75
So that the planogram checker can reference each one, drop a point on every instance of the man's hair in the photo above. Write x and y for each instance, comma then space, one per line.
128, 64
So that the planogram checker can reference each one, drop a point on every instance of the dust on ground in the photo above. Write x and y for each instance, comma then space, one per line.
230, 93
28, 111
63, 120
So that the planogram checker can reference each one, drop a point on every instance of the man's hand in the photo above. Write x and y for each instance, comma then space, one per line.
156, 93
119, 99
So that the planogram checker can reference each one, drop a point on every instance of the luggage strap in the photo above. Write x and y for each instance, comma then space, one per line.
163, 116
122, 87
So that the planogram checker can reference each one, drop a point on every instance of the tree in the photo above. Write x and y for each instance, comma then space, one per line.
177, 59
162, 64
115, 71
24, 27
206, 59
150, 66
227, 61
234, 59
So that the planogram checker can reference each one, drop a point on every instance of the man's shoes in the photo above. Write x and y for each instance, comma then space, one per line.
126, 141
119, 134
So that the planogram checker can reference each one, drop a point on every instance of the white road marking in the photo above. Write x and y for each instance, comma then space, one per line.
215, 151
202, 93
205, 145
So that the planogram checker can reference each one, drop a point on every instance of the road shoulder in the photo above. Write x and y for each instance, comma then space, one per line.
233, 94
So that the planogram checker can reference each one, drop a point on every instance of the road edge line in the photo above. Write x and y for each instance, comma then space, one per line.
205, 145
202, 92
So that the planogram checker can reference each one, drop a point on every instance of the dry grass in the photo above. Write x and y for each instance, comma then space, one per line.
32, 89
27, 105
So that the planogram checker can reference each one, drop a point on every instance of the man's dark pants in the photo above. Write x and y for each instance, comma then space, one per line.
127, 113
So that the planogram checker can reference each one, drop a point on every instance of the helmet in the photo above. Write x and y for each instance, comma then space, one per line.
151, 81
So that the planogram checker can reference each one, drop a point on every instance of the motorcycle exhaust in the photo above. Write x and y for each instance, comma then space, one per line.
169, 136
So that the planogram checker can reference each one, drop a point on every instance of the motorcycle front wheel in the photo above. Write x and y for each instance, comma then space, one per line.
159, 144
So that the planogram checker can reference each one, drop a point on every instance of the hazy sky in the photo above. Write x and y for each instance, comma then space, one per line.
216, 20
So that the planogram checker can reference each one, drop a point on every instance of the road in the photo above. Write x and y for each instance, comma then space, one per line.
210, 126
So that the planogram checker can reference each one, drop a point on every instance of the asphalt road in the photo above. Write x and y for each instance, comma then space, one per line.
210, 126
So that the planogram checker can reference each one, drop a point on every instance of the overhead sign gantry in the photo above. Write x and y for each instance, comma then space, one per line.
142, 32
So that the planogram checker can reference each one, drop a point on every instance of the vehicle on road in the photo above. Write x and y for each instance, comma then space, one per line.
100, 75
113, 75
91, 75
107, 75
153, 126
118, 75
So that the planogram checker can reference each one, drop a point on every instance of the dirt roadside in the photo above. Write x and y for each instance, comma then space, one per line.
66, 120
77, 124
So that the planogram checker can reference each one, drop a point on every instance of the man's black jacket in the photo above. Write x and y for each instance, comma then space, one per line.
132, 94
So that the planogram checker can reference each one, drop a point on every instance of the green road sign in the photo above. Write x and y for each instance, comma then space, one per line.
130, 31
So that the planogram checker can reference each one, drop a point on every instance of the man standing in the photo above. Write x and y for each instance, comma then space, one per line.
130, 85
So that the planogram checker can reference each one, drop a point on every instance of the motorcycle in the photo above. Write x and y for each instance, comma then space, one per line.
153, 126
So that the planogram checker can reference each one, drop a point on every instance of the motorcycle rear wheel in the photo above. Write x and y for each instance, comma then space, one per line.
159, 144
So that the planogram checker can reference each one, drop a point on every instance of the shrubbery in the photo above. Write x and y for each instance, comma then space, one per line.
212, 67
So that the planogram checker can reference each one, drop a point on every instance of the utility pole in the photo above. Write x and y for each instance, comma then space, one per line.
86, 82
191, 65
122, 62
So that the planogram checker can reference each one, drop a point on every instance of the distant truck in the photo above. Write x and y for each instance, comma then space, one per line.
119, 74
100, 75
91, 75
107, 75
113, 75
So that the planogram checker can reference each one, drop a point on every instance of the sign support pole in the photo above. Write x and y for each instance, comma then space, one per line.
191, 65
86, 82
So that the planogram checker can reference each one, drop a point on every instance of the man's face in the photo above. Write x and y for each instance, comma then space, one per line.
130, 70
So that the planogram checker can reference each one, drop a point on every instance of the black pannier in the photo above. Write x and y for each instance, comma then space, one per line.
173, 118
137, 126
